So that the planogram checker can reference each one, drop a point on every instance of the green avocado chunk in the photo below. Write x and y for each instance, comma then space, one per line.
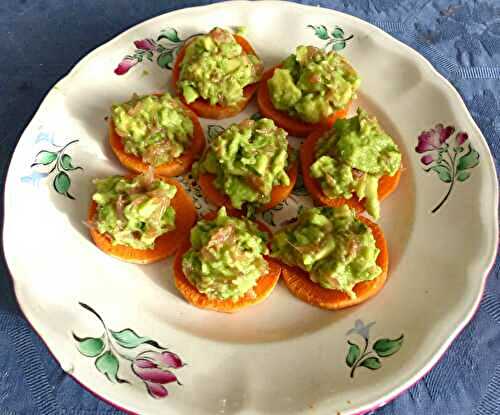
248, 159
226, 257
313, 84
134, 211
332, 245
155, 128
352, 156
216, 68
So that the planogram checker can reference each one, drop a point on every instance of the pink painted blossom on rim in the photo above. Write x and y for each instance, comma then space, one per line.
427, 159
124, 66
460, 138
144, 44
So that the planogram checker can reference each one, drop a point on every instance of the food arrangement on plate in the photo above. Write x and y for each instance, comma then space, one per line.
329, 255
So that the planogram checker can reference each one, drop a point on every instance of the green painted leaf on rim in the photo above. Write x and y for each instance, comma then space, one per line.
67, 163
352, 354
108, 365
45, 158
338, 32
62, 183
462, 176
387, 347
468, 160
165, 59
170, 34
372, 363
89, 346
129, 339
443, 172
320, 31
338, 45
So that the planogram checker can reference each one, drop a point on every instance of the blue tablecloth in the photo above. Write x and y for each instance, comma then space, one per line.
42, 40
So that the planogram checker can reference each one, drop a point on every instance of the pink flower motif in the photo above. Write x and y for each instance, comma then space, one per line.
153, 369
460, 138
432, 139
427, 159
124, 66
145, 44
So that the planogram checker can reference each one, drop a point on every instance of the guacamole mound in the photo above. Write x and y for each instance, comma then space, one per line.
155, 128
313, 84
352, 156
248, 159
332, 245
216, 68
226, 257
134, 212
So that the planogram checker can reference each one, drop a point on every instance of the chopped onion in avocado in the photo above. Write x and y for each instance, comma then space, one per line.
216, 68
332, 245
155, 128
313, 84
248, 159
134, 212
352, 156
226, 257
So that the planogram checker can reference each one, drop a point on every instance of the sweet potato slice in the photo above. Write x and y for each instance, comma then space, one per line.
291, 125
201, 106
300, 285
165, 245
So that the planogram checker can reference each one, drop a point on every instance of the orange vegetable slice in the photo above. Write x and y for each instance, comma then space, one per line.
264, 287
215, 197
292, 125
201, 106
165, 245
300, 285
386, 184
180, 165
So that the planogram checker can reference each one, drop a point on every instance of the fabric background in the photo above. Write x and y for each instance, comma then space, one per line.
41, 40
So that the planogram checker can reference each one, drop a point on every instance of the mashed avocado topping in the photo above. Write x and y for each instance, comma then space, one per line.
332, 245
313, 84
352, 156
226, 257
216, 68
248, 159
134, 212
155, 128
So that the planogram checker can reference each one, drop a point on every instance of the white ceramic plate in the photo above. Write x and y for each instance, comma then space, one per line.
282, 356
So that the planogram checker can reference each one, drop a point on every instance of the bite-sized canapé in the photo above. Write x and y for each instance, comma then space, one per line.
355, 162
248, 164
216, 74
140, 219
333, 258
155, 131
224, 266
308, 89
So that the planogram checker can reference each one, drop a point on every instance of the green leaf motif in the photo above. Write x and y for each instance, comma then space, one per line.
372, 363
89, 346
387, 347
462, 176
67, 163
468, 160
443, 173
129, 339
352, 354
338, 45
108, 365
45, 158
165, 59
256, 116
338, 33
170, 34
214, 130
62, 183
320, 31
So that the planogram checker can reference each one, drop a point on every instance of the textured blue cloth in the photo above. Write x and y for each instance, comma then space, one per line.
42, 40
